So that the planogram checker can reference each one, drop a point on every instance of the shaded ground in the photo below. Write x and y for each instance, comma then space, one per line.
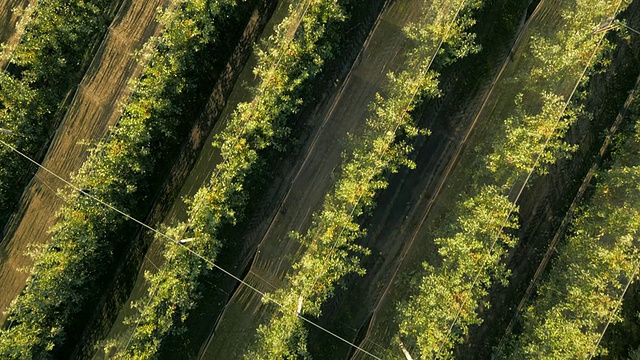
402, 206
299, 191
434, 204
545, 203
94, 107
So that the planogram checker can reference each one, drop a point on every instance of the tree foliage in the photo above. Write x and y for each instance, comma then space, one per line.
66, 279
581, 291
287, 63
553, 64
529, 139
331, 252
453, 291
47, 63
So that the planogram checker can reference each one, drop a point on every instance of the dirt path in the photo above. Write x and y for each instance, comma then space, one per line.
301, 191
95, 106
545, 209
8, 20
435, 195
188, 173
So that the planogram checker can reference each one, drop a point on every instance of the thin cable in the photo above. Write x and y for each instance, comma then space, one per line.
455, 320
53, 191
277, 303
84, 192
177, 243
151, 262
264, 281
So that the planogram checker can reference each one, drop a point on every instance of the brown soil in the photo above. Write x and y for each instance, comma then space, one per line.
192, 167
8, 20
95, 106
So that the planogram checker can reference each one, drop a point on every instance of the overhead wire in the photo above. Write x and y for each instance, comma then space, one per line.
82, 191
177, 243
514, 203
53, 191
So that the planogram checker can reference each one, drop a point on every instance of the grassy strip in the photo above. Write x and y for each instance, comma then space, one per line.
66, 278
47, 63
582, 290
287, 65
382, 149
476, 235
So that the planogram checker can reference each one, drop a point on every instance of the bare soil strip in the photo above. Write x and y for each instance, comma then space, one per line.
546, 207
10, 14
189, 172
301, 190
433, 202
95, 107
